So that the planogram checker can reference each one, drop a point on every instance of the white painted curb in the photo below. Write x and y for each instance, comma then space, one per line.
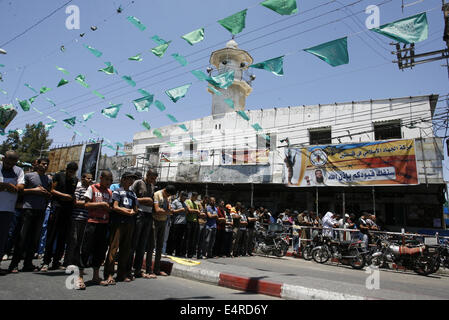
303, 293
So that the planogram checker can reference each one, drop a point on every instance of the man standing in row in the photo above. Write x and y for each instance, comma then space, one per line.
63, 192
12, 180
36, 194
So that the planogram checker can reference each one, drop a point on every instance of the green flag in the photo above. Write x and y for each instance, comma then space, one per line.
129, 80
229, 102
160, 50
109, 69
94, 51
235, 23
158, 40
223, 80
62, 82
283, 7
172, 118
44, 90
3, 91
143, 104
159, 105
194, 36
144, 92
98, 94
24, 105
32, 99
213, 90
112, 111
146, 125
7, 114
52, 119
408, 30
49, 126
136, 22
30, 87
256, 127
200, 75
182, 60
78, 133
157, 133
171, 144
177, 93
243, 115
87, 116
130, 116
183, 127
70, 121
274, 65
333, 52
62, 70
136, 58
80, 78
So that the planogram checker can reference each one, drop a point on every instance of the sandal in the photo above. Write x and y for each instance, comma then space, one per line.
149, 276
80, 285
13, 270
162, 273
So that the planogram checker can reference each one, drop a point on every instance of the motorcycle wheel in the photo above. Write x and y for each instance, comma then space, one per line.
320, 255
359, 261
307, 253
424, 265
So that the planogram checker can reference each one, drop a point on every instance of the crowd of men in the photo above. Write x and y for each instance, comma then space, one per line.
93, 224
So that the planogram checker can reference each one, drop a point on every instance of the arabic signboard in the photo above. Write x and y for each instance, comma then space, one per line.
373, 163
242, 156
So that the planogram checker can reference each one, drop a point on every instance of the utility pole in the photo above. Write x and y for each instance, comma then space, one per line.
406, 57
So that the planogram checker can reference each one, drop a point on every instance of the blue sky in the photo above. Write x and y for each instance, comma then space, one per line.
33, 57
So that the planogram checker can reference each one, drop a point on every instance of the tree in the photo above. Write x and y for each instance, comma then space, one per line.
34, 143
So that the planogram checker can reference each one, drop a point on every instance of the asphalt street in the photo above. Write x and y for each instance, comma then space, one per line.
52, 286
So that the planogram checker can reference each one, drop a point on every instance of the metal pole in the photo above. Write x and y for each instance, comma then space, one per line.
373, 191
252, 194
316, 200
344, 204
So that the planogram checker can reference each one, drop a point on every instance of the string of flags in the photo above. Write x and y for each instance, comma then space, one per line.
408, 30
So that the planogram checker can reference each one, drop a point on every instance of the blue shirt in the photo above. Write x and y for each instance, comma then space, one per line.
211, 223
126, 199
115, 187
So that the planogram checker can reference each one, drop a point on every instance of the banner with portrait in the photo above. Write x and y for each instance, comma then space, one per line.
391, 162
244, 156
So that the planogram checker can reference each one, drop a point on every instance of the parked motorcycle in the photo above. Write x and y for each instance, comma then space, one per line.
272, 241
417, 257
441, 256
317, 240
347, 252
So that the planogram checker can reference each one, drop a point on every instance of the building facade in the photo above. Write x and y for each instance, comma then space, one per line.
243, 160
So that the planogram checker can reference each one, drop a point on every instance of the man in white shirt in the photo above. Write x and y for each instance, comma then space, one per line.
12, 181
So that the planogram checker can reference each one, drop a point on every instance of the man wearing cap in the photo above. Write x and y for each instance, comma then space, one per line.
143, 230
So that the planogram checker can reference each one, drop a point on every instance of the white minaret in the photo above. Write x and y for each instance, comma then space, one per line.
226, 59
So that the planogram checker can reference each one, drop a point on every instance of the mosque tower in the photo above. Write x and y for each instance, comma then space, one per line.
224, 60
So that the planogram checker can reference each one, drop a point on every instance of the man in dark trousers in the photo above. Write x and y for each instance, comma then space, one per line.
36, 195
63, 192
143, 231
12, 180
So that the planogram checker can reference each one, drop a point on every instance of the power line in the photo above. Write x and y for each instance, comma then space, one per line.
35, 24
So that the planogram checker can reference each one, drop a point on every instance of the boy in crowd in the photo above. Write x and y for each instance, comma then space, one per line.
211, 228
124, 207
63, 193
98, 199
162, 210
36, 194
12, 180
79, 221
227, 236
221, 223
177, 241
200, 250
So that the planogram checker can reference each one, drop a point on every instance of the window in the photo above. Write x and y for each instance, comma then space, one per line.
152, 155
320, 136
387, 130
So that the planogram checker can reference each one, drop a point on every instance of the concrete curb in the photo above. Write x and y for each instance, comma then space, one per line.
253, 284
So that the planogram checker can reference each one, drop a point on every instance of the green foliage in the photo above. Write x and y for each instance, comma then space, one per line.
34, 143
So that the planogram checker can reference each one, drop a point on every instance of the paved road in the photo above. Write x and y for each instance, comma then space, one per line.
51, 285
330, 277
